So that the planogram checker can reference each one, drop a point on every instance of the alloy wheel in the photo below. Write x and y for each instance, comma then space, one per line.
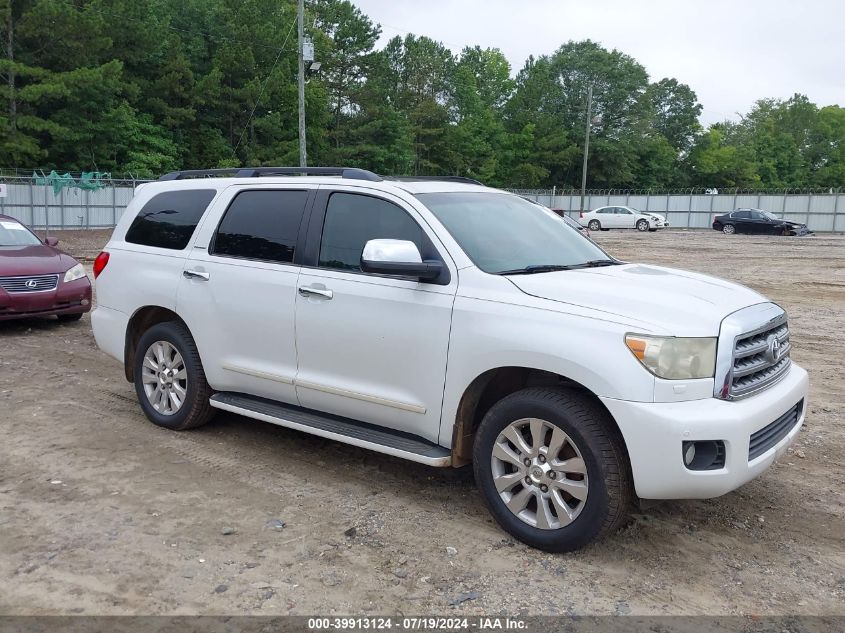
539, 473
165, 378
729, 229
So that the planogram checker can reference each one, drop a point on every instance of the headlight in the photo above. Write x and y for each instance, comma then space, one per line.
674, 358
77, 272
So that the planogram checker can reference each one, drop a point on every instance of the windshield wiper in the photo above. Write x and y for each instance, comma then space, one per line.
549, 268
539, 268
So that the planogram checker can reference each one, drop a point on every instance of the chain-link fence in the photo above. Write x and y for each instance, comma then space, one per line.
43, 207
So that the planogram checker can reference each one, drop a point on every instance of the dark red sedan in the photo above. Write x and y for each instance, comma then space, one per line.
37, 279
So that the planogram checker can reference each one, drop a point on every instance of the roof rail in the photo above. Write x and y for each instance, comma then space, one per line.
469, 181
254, 172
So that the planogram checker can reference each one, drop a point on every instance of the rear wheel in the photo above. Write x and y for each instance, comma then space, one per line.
169, 378
729, 229
642, 226
552, 469
594, 225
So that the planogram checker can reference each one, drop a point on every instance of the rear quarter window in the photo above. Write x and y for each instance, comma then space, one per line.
168, 220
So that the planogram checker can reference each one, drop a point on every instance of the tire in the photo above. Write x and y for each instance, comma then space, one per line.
594, 225
642, 226
729, 229
590, 432
195, 410
69, 318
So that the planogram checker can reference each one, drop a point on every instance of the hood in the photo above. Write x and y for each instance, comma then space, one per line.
655, 215
35, 259
662, 300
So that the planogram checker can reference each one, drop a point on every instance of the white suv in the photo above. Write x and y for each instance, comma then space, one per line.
605, 218
447, 323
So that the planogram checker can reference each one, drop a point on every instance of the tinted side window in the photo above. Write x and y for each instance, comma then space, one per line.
605, 210
352, 220
742, 215
261, 224
169, 219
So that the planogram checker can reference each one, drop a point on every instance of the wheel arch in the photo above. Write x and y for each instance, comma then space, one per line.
141, 321
490, 387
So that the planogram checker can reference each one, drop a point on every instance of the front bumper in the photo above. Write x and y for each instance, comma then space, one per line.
654, 433
73, 297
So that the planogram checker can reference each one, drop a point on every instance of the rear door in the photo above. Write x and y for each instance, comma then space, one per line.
607, 217
238, 291
371, 347
742, 221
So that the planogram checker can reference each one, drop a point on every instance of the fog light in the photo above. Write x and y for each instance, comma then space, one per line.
84, 302
704, 455
689, 453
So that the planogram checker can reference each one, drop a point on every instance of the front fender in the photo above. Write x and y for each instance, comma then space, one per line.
488, 335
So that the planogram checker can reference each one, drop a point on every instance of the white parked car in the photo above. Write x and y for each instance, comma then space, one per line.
446, 323
605, 218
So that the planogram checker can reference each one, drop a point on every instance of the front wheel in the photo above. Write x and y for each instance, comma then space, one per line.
729, 229
169, 378
594, 225
552, 468
642, 226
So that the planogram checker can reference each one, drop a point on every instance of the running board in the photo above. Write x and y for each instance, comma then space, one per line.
334, 427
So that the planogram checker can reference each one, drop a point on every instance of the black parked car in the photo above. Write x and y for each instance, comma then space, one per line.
757, 222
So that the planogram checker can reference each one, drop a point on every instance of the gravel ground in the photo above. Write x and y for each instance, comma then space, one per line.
103, 513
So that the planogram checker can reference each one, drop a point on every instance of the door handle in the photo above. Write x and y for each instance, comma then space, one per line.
196, 274
307, 291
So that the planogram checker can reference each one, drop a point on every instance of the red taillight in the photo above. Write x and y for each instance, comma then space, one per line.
100, 263
580, 214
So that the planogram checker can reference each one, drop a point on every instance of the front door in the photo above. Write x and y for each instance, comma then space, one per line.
238, 294
625, 218
371, 347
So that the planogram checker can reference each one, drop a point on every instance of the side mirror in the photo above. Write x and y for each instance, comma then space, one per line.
52, 241
398, 257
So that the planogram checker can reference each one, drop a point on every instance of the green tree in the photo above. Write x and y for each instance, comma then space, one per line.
676, 110
347, 56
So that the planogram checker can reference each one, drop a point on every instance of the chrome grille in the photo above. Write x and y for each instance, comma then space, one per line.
34, 283
760, 357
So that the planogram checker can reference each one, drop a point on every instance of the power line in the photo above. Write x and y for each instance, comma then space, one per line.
263, 86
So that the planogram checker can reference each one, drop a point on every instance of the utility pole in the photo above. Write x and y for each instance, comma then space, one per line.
300, 17
586, 145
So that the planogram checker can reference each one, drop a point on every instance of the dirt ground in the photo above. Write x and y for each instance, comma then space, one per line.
103, 513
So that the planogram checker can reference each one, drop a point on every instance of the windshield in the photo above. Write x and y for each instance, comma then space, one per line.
501, 232
16, 234
767, 215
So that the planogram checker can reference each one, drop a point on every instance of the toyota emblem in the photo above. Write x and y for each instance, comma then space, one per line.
31, 284
775, 350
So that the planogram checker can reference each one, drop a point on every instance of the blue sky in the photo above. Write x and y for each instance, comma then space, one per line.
730, 52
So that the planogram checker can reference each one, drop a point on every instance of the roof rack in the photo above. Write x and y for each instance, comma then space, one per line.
254, 172
469, 181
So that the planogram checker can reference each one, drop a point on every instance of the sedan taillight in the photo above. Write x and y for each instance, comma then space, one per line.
100, 263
